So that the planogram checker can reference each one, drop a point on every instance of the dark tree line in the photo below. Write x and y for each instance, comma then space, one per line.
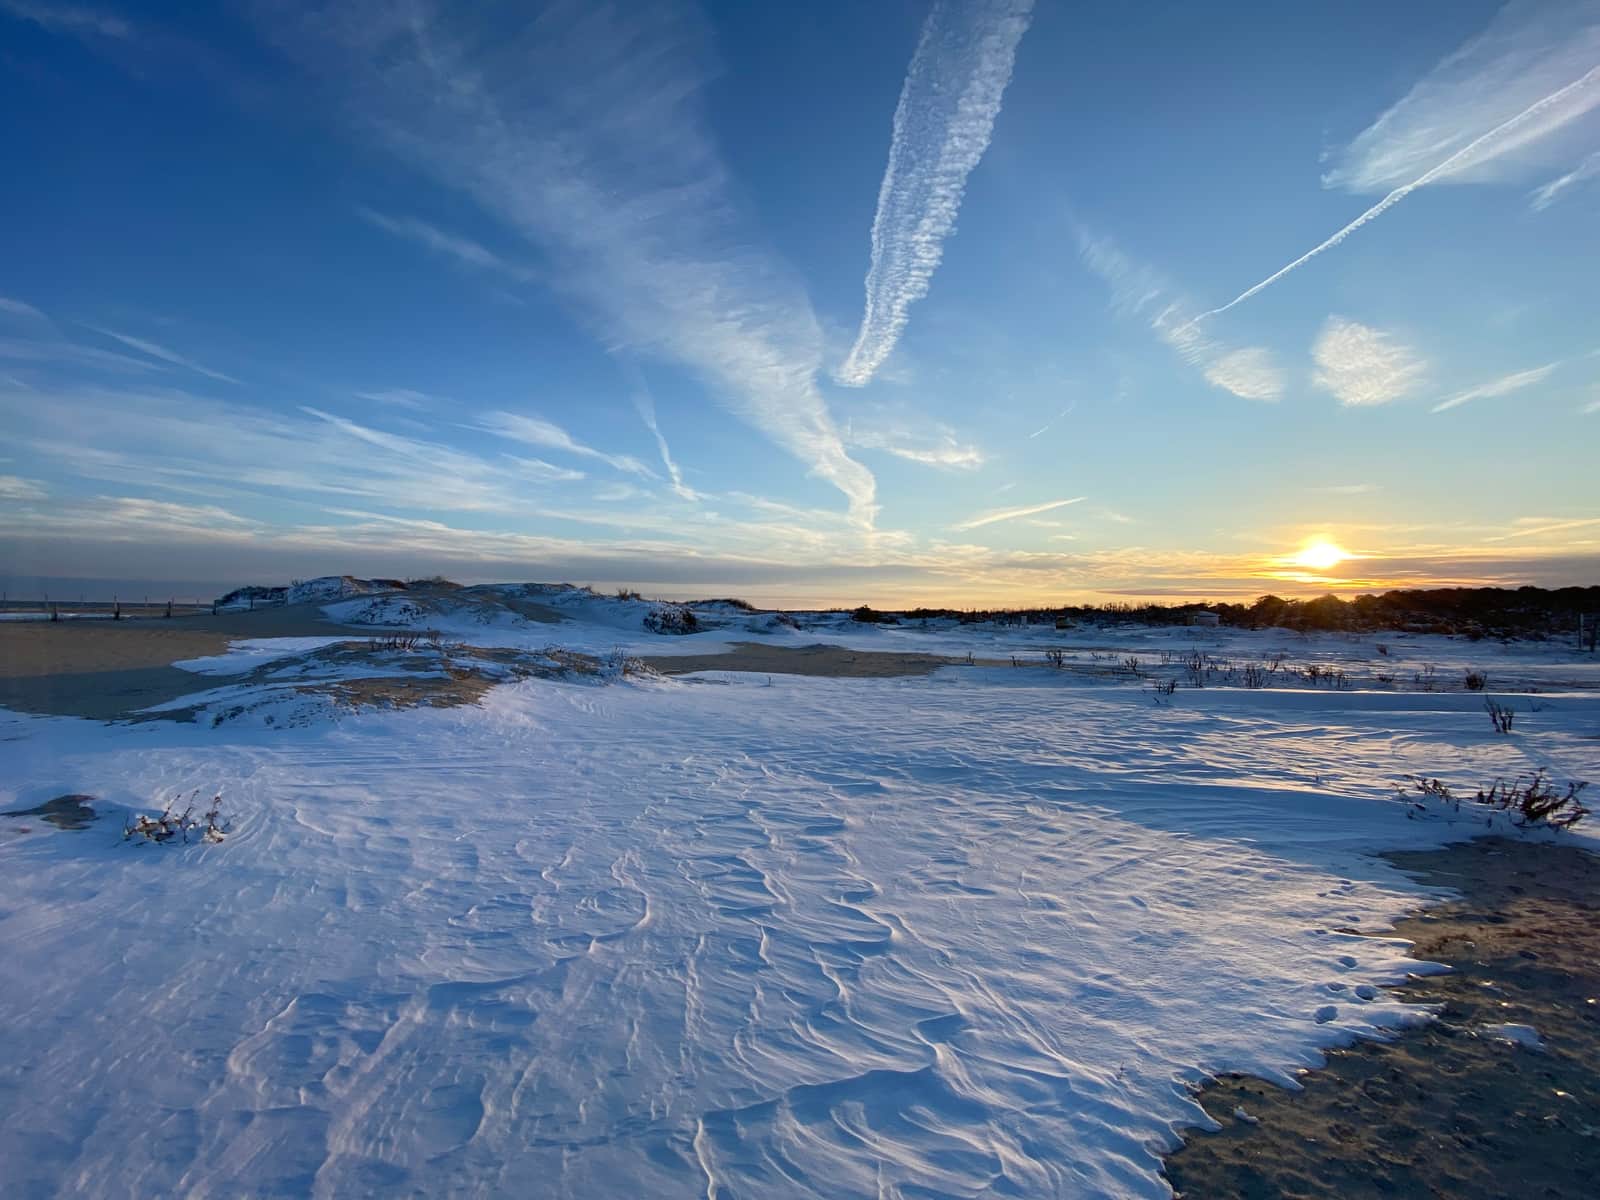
1525, 612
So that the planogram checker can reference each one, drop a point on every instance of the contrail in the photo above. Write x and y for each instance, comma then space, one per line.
942, 127
1400, 193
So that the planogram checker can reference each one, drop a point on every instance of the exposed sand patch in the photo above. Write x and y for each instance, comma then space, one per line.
71, 812
1452, 1108
107, 670
832, 661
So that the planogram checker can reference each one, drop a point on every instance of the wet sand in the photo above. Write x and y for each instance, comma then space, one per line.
831, 661
105, 670
1444, 1110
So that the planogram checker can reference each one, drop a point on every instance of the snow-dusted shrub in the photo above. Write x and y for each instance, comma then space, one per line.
619, 664
1476, 681
208, 827
671, 618
1536, 801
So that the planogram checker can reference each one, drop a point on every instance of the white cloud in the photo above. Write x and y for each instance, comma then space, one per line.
1505, 385
1364, 366
1249, 372
162, 354
942, 126
581, 128
536, 431
994, 515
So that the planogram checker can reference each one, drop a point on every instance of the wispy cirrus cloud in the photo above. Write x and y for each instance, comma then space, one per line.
1502, 386
1544, 526
183, 442
1494, 111
644, 403
1249, 372
1523, 93
949, 453
16, 310
1347, 489
32, 337
1362, 366
995, 515
451, 245
162, 354
68, 18
580, 127
14, 487
942, 126
536, 431
400, 398
914, 442
1545, 195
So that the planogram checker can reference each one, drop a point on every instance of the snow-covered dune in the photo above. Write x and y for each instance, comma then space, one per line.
964, 934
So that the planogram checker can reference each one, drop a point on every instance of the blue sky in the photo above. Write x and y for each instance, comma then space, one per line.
812, 303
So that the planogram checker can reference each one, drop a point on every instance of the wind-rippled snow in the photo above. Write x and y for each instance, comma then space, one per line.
951, 936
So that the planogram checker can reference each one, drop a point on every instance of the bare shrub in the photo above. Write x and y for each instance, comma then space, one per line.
1502, 716
1162, 689
1255, 676
628, 594
1537, 802
1383, 648
1056, 658
1131, 665
1424, 678
1475, 681
398, 641
868, 615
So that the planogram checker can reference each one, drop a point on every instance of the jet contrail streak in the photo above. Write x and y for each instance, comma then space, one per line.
1400, 193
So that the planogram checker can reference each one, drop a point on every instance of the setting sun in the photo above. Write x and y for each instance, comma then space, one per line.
1321, 555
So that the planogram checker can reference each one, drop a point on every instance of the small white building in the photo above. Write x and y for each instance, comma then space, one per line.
1209, 619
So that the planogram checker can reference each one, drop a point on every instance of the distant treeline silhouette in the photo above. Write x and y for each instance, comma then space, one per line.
1525, 612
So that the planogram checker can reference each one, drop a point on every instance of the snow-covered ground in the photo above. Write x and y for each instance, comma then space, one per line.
726, 935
